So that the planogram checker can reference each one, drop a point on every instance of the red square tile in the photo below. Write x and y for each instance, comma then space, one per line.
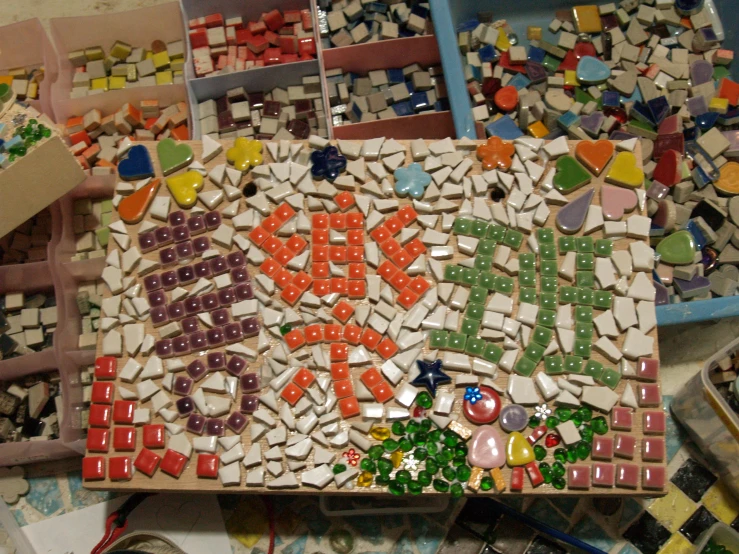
653, 449
604, 475
106, 368
272, 245
337, 254
407, 214
356, 289
387, 348
320, 270
270, 267
355, 237
291, 294
393, 225
647, 369
93, 468
271, 223
294, 339
344, 200
654, 422
153, 436
147, 461
258, 235
124, 439
355, 254
99, 415
349, 407
291, 393
357, 271
282, 278
535, 476
627, 476
320, 252
371, 378
120, 468
602, 448
380, 234
208, 465
622, 418
337, 221
331, 332
339, 285
390, 247
654, 477
383, 392
342, 311
339, 352
319, 236
370, 338
313, 334
173, 463
400, 280
625, 446
578, 477
296, 243
304, 378
98, 440
102, 393
407, 298
352, 333
517, 474
302, 280
648, 395
284, 255
320, 221
321, 287
343, 388
354, 220
123, 411
415, 248
419, 285
339, 370
401, 259
387, 270
284, 212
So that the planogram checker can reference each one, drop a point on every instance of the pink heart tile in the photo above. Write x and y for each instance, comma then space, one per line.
616, 201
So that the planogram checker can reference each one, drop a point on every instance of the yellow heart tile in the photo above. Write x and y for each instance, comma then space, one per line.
624, 171
184, 188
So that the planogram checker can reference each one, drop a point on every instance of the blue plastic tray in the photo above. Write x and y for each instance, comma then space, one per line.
449, 15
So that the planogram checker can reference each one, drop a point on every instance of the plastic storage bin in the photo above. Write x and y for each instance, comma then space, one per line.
710, 421
722, 534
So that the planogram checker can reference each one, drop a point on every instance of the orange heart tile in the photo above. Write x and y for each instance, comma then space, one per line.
133, 208
594, 155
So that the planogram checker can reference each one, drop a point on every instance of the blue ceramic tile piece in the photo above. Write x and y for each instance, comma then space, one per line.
403, 108
706, 120
611, 99
44, 495
504, 128
698, 236
469, 25
568, 119
641, 112
395, 76
13, 141
420, 11
420, 101
487, 53
635, 97
660, 108
536, 54
136, 165
519, 81
409, 86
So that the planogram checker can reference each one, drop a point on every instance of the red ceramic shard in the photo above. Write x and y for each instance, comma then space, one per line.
668, 170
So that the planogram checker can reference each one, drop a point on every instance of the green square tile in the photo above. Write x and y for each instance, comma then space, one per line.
573, 364
483, 262
504, 285
514, 239
438, 339
602, 299
463, 226
496, 232
584, 314
585, 261
527, 277
584, 244
549, 268
583, 330
486, 280
610, 378
553, 365
106, 206
542, 335
457, 342
582, 348
585, 296
493, 353
479, 228
527, 295
585, 279
567, 295
549, 284
526, 260
486, 247
475, 346
453, 273
551, 63
478, 295
547, 252
593, 368
469, 276
603, 248
534, 352
475, 311
545, 236
470, 327
546, 318
548, 300
525, 366
106, 218
566, 244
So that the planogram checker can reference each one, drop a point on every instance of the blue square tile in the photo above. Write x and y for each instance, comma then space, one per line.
504, 128
519, 81
536, 54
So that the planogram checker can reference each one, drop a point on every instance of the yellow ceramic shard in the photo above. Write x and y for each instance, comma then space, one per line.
518, 451
718, 105
364, 479
624, 171
184, 188
115, 83
94, 53
396, 457
32, 90
672, 510
721, 503
164, 78
538, 130
502, 43
677, 544
587, 19
475, 478
571, 78
99, 83
120, 50
728, 183
245, 153
248, 523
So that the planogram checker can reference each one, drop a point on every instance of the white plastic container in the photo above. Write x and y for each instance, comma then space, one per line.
720, 533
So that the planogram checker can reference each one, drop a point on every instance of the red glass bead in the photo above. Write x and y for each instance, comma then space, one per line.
552, 440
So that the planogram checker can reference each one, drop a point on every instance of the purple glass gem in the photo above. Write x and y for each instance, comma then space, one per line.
239, 275
195, 424
210, 301
177, 218
196, 369
180, 233
235, 259
185, 406
236, 422
226, 296
236, 365
190, 325
198, 341
250, 382
215, 427
182, 385
164, 235
657, 190
215, 337
200, 244
212, 220
216, 360
159, 315
152, 282
662, 295
513, 418
157, 298
219, 265
163, 348
196, 224
176, 311
202, 269
167, 256
233, 333
220, 316
184, 250
186, 275
249, 404
250, 326
244, 291
181, 345
169, 280
147, 242
193, 305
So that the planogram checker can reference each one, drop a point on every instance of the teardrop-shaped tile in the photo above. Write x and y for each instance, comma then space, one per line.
132, 208
678, 248
571, 217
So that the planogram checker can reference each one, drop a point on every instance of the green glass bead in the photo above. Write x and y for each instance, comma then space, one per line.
339, 468
420, 454
30, 141
451, 440
382, 480
440, 485
439, 459
585, 413
457, 490
384, 466
405, 445
432, 448
415, 487
424, 400
424, 477
403, 476
599, 425
558, 483
390, 445
564, 414
572, 453
463, 473
576, 419
461, 450
449, 473
413, 425
583, 450
534, 421
486, 483
431, 466
420, 438
33, 121
22, 151
435, 435
551, 422
546, 472
426, 425
368, 465
447, 453
375, 452
586, 434
12, 157
560, 454
558, 469
285, 329
398, 428
458, 461
540, 452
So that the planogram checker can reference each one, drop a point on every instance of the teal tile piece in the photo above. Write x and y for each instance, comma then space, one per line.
589, 531
631, 509
565, 505
44, 495
542, 510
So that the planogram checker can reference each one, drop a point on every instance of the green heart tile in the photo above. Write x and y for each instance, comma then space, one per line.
173, 156
678, 248
571, 175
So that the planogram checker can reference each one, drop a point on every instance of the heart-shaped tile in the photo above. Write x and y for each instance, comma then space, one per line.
594, 155
592, 71
136, 165
571, 175
571, 217
616, 201
668, 169
624, 171
518, 451
173, 156
184, 188
678, 248
592, 123
132, 208
728, 183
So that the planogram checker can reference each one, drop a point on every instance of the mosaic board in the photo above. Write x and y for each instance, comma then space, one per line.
375, 278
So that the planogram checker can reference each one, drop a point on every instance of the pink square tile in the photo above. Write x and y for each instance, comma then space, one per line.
653, 449
654, 422
647, 369
625, 446
622, 419
627, 475
654, 477
648, 395
578, 477
602, 448
604, 475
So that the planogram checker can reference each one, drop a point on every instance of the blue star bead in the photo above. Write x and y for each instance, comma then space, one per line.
431, 376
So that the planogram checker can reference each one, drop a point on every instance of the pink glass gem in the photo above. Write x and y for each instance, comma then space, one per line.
163, 236
158, 315
648, 395
220, 316
167, 256
236, 365
249, 404
215, 427
180, 233
604, 475
647, 369
215, 337
193, 305
233, 333
653, 449
163, 348
578, 477
200, 244
236, 422
198, 341
243, 291
196, 224
654, 477
216, 360
176, 311
236, 259
181, 345
157, 298
177, 218
485, 448
602, 448
195, 424
627, 475
202, 270
654, 422
186, 275
185, 406
196, 369
226, 296
169, 280
184, 250
210, 301
152, 282
212, 220
622, 419
190, 325
250, 382
147, 242
182, 385
625, 446
218, 265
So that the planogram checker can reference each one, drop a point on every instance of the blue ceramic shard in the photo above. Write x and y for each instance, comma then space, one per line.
660, 108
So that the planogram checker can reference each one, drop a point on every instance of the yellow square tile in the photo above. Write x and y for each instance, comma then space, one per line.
120, 50
587, 19
100, 83
94, 53
570, 78
677, 545
538, 130
721, 503
533, 33
115, 83
164, 78
720, 105
161, 60
674, 509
